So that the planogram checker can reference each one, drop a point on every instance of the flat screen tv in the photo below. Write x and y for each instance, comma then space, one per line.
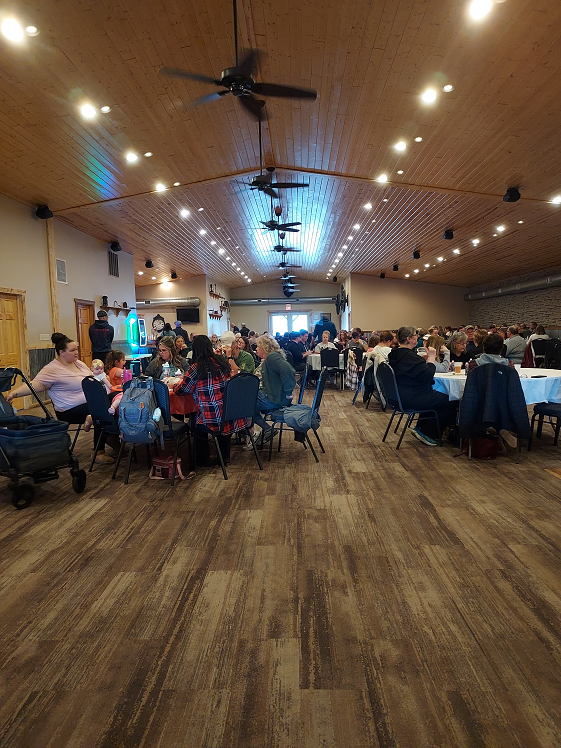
188, 314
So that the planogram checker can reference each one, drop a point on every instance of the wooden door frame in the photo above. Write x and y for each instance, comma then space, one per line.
22, 325
82, 302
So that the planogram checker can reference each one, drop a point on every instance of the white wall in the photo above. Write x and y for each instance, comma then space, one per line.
189, 287
256, 317
380, 304
217, 326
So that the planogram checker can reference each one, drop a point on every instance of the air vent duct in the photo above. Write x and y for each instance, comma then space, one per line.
533, 285
192, 301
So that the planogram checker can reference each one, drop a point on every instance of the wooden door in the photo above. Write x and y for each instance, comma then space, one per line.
10, 354
84, 318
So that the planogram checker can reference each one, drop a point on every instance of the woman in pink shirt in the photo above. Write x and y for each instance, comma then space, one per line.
62, 378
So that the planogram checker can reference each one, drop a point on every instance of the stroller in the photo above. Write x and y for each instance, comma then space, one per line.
32, 447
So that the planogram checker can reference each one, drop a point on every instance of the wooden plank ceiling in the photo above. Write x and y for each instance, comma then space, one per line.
369, 61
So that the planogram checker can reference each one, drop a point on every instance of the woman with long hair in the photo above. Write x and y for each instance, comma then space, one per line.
205, 380
167, 353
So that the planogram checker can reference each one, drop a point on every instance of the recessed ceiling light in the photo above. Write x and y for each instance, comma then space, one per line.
32, 31
407, 275
556, 200
418, 140
212, 243
456, 251
345, 246
429, 96
12, 30
140, 272
385, 200
184, 213
88, 111
221, 251
153, 277
340, 254
475, 242
202, 232
176, 184
500, 229
479, 8
166, 284
448, 88
415, 271
249, 280
237, 247
401, 146
229, 258
148, 154
105, 109
356, 226
160, 187
200, 210
427, 264
440, 259
400, 171
350, 238
520, 221
131, 157
336, 260
368, 206
382, 178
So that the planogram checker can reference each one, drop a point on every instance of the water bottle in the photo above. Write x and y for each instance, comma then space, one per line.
165, 370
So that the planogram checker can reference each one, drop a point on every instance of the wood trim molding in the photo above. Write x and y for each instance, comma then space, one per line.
13, 291
84, 302
52, 273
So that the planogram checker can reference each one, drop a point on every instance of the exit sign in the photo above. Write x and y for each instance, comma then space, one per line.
288, 307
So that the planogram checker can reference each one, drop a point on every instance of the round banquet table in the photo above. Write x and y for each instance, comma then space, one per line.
181, 405
542, 389
314, 359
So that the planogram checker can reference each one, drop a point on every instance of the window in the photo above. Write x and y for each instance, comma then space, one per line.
281, 322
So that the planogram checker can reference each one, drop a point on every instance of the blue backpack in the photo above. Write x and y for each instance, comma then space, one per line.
136, 413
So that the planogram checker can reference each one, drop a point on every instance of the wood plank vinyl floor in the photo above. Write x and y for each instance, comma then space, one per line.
379, 598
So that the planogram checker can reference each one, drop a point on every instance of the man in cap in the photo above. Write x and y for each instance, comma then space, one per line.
101, 336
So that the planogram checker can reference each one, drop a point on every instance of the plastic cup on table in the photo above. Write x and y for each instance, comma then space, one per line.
457, 367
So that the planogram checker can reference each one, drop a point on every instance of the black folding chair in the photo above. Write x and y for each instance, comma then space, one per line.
277, 418
240, 401
542, 411
538, 352
98, 405
359, 357
303, 382
391, 392
329, 358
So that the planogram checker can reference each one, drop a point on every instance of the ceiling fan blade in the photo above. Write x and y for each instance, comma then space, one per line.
179, 73
286, 226
270, 191
288, 92
254, 106
249, 63
288, 185
209, 97
294, 231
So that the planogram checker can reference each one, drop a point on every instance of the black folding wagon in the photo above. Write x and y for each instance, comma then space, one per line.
32, 447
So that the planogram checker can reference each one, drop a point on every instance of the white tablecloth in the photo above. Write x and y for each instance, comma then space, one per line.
314, 360
540, 390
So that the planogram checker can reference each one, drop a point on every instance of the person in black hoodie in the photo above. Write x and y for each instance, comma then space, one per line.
101, 335
414, 377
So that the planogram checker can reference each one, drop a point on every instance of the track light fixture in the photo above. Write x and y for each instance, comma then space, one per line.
395, 268
148, 264
382, 275
512, 195
173, 275
44, 212
115, 247
448, 234
416, 254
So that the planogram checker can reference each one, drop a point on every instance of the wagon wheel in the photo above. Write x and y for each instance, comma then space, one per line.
23, 495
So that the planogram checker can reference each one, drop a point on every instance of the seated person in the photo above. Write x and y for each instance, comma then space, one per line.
471, 345
214, 341
98, 370
538, 334
342, 341
114, 367
478, 338
356, 341
278, 382
325, 343
492, 348
242, 362
205, 380
167, 353
457, 347
515, 345
442, 360
384, 346
232, 349
373, 341
414, 377
298, 355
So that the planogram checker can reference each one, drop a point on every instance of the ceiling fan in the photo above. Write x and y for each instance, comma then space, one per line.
240, 81
276, 226
282, 249
286, 266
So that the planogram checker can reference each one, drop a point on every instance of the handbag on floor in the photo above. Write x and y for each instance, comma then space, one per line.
483, 446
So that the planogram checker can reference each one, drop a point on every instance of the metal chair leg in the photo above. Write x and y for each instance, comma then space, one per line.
256, 453
407, 424
224, 473
531, 432
517, 450
118, 460
540, 427
389, 426
398, 424
557, 429
312, 448
174, 469
75, 438
319, 441
96, 446
280, 437
131, 450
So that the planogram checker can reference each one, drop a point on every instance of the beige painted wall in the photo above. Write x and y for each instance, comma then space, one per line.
217, 326
189, 287
378, 304
88, 276
256, 317
24, 264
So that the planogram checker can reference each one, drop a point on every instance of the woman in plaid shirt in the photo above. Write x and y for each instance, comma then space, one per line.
205, 380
